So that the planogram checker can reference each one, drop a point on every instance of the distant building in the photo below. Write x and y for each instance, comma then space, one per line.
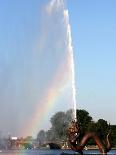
14, 138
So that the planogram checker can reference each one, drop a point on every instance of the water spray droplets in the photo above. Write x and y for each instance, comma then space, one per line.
57, 8
71, 61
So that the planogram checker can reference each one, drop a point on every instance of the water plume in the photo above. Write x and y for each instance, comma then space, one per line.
71, 60
56, 41
57, 6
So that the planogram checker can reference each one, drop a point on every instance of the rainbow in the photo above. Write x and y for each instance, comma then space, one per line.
64, 78
59, 84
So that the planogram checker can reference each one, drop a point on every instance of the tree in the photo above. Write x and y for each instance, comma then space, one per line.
84, 119
29, 138
113, 135
58, 122
102, 128
41, 137
61, 120
91, 126
69, 116
50, 136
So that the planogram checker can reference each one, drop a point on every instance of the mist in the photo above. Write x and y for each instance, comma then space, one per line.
35, 72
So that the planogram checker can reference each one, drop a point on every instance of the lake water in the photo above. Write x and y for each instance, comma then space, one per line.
51, 152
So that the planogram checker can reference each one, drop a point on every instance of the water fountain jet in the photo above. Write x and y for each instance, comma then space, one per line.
74, 129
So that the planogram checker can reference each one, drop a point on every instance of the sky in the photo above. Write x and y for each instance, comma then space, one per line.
94, 35
34, 69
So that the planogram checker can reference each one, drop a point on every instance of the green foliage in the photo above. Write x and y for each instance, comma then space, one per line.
113, 135
50, 135
41, 137
84, 119
28, 146
29, 138
60, 123
91, 126
58, 132
102, 128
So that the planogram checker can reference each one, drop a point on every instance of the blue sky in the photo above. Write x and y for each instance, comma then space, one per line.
33, 47
94, 40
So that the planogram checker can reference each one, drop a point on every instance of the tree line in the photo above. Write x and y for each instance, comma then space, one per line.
60, 122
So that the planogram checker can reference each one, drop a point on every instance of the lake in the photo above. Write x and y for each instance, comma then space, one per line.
51, 152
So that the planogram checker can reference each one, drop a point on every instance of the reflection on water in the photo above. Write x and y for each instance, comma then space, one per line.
51, 152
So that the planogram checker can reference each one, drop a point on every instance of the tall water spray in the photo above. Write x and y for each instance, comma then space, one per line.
71, 60
46, 84
59, 5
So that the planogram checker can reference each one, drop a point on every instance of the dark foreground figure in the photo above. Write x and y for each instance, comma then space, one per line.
76, 145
